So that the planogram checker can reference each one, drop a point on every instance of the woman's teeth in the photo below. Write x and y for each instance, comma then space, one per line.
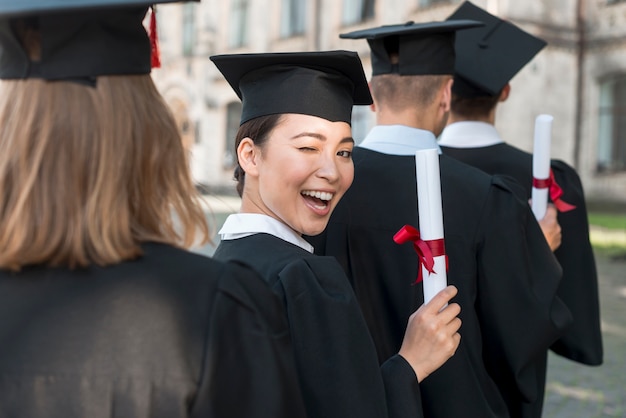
320, 195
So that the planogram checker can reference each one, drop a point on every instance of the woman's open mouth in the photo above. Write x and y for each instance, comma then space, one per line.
317, 199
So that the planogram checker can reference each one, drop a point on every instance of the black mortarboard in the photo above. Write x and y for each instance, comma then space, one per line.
422, 48
79, 38
488, 57
325, 84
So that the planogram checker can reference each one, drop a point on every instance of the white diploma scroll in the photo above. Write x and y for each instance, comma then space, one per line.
541, 163
430, 216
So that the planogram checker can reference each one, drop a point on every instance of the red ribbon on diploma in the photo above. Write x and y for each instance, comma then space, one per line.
426, 250
555, 192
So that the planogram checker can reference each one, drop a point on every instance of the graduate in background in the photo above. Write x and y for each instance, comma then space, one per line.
487, 59
294, 150
498, 258
102, 313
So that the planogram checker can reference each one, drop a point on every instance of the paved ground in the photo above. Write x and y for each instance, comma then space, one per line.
573, 390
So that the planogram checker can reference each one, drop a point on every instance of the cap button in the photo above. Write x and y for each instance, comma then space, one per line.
409, 23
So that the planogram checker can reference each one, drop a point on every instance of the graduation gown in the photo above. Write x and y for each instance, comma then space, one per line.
171, 334
505, 272
336, 359
579, 287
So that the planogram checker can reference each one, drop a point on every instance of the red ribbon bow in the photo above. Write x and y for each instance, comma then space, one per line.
555, 192
426, 250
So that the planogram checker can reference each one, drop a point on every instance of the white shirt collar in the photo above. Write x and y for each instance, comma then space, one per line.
399, 140
240, 225
469, 134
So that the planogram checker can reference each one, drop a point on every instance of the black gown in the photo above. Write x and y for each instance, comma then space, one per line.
579, 287
171, 334
336, 359
506, 283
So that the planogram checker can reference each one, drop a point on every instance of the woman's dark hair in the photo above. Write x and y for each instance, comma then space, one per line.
257, 129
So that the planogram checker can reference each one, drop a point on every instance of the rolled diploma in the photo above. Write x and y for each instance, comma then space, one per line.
541, 163
430, 216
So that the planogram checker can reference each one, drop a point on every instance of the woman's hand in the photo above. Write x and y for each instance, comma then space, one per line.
431, 336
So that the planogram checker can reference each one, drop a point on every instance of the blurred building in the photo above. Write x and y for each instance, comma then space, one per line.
580, 78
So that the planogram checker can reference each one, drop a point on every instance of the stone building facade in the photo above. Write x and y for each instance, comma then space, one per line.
579, 78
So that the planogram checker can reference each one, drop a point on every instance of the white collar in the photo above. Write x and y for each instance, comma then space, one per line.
469, 134
240, 225
399, 140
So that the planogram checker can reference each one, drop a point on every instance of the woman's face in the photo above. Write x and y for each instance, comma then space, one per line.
301, 172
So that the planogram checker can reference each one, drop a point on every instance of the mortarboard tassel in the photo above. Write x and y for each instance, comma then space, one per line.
155, 54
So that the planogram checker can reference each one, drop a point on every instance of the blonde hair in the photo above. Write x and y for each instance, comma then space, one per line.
88, 174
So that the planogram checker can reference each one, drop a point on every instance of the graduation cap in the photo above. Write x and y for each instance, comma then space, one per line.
422, 48
79, 39
488, 57
325, 84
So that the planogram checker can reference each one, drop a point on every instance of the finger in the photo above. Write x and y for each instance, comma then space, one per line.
442, 298
454, 326
449, 313
551, 211
457, 340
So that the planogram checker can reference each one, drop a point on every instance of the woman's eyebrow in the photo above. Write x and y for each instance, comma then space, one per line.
310, 134
321, 137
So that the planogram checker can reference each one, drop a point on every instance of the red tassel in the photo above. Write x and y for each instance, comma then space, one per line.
155, 54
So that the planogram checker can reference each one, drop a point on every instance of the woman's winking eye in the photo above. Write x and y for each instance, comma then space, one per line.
345, 153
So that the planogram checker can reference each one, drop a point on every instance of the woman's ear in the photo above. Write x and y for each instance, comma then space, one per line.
247, 155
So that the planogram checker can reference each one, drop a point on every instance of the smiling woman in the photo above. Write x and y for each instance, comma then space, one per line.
314, 163
294, 164
298, 176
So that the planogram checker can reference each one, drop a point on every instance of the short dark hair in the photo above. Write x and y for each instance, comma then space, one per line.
398, 91
257, 129
473, 107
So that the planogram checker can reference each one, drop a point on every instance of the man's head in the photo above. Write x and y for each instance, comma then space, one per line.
412, 68
487, 58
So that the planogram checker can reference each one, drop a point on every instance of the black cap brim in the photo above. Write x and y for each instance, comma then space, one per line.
13, 8
421, 48
411, 28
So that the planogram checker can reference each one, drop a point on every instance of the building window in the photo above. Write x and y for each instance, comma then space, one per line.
356, 11
426, 3
292, 18
612, 125
239, 23
233, 116
189, 28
